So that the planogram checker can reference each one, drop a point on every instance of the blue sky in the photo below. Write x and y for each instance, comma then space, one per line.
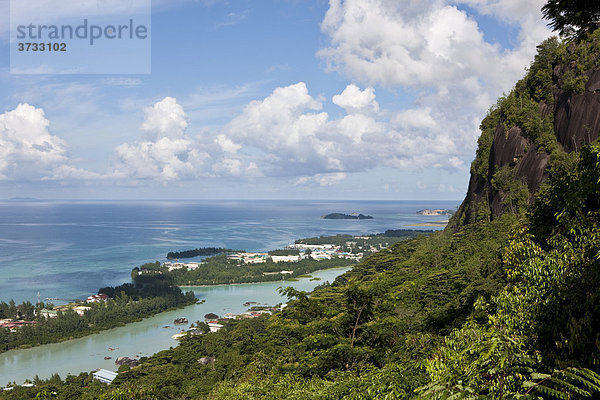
356, 99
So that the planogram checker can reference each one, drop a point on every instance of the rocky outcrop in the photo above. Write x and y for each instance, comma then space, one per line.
511, 149
206, 360
127, 361
576, 122
577, 116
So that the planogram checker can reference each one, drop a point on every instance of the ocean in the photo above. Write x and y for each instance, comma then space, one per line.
68, 250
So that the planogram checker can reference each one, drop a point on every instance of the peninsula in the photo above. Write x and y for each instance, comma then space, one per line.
346, 216
203, 251
303, 257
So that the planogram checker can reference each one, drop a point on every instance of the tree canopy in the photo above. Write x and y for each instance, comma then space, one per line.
572, 17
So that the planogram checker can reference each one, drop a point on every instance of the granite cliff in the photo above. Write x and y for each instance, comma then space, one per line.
547, 117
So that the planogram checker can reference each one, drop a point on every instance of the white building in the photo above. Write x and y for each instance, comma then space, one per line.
97, 298
249, 258
214, 327
278, 259
105, 376
81, 310
48, 313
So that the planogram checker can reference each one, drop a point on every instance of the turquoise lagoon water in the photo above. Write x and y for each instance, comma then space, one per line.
142, 338
70, 249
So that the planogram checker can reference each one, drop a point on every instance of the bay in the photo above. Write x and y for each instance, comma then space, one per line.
145, 337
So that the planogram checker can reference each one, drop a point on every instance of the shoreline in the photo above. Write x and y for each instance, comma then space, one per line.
258, 282
151, 337
85, 334
432, 224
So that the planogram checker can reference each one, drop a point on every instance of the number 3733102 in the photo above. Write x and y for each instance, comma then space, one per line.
22, 46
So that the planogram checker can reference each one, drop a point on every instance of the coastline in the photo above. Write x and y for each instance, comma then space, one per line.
83, 334
432, 224
258, 282
87, 353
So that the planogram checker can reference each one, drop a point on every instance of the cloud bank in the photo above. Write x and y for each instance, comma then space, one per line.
434, 51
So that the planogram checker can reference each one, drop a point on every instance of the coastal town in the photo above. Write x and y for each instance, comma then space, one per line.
349, 250
78, 307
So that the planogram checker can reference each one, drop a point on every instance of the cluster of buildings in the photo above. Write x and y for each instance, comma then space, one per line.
327, 251
80, 310
97, 298
249, 258
177, 265
214, 325
247, 314
13, 325
27, 384
314, 251
317, 252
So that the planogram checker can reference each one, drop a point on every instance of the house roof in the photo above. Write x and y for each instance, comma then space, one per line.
104, 375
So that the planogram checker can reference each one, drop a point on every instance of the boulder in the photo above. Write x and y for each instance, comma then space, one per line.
206, 360
127, 361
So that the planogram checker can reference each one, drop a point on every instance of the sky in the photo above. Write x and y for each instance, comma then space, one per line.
271, 99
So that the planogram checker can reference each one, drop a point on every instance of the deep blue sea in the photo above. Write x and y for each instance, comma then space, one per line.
70, 249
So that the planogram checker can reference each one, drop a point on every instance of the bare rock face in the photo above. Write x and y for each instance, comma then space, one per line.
508, 147
127, 361
577, 116
576, 123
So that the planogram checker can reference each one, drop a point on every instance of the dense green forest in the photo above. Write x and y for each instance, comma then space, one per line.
202, 251
147, 296
500, 305
379, 240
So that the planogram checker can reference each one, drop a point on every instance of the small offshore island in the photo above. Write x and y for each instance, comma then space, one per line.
434, 212
346, 216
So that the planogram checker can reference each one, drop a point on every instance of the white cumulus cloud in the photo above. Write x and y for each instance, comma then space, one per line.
165, 119
28, 151
438, 51
168, 153
296, 139
354, 100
